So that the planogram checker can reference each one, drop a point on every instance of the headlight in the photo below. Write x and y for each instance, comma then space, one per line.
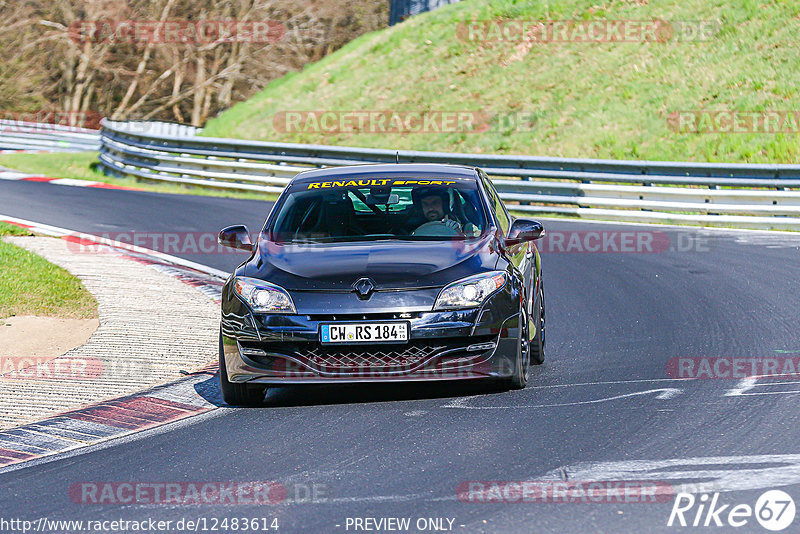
470, 292
263, 297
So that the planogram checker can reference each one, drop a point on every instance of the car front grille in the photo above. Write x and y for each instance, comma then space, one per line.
375, 356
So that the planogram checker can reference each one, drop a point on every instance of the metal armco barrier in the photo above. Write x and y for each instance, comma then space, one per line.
735, 195
20, 135
399, 10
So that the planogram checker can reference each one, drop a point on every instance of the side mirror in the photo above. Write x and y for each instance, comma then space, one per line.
523, 230
237, 236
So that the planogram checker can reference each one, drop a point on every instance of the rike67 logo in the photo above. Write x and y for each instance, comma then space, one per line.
774, 510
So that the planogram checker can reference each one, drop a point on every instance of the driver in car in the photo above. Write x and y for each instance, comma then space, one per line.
434, 203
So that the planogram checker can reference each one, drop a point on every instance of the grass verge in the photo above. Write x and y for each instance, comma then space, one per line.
30, 285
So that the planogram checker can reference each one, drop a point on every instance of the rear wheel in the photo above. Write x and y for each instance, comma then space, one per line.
237, 394
537, 343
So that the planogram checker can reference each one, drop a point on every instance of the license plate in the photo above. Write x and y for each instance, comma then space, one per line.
363, 333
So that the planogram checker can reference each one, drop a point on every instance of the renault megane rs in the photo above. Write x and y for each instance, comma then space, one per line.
404, 272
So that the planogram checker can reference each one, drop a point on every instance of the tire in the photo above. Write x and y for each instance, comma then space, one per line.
537, 343
519, 379
237, 394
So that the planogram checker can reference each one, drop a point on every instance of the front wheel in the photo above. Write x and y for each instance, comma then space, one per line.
519, 378
237, 394
537, 343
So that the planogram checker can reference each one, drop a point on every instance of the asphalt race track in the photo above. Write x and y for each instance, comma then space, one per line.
604, 398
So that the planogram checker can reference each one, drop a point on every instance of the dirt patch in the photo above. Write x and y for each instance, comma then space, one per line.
43, 337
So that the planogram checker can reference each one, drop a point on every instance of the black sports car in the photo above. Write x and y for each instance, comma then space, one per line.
383, 273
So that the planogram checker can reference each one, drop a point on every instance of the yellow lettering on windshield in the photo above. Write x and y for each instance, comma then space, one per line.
383, 181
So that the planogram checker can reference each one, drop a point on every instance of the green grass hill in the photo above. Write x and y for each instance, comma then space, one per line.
560, 97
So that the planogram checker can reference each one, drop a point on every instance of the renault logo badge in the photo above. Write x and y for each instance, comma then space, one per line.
364, 287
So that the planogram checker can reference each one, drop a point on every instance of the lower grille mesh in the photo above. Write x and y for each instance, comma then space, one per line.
372, 357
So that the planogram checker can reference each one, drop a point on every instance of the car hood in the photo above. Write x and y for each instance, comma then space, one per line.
390, 264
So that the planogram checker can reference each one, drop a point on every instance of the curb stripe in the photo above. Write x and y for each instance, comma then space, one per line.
7, 453
8, 457
103, 185
159, 407
26, 151
80, 429
14, 175
58, 430
45, 441
128, 413
117, 412
14, 443
73, 182
104, 421
109, 417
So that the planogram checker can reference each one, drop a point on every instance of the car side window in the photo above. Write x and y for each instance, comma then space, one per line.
497, 206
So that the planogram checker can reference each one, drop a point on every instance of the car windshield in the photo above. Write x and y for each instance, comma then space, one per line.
353, 209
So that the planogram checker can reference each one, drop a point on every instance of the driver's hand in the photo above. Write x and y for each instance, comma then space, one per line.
471, 230
450, 223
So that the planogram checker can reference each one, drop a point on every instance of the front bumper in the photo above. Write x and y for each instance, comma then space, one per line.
478, 343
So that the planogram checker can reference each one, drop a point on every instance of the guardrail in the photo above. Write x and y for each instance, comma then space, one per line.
21, 135
736, 195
